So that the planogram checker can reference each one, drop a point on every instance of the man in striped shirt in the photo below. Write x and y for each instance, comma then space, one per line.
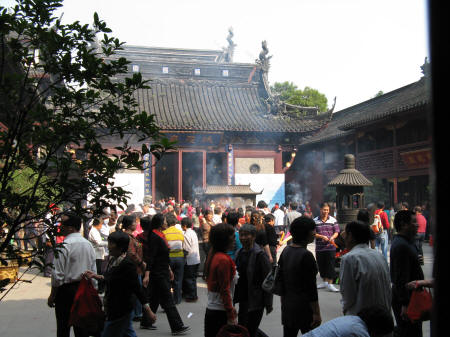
327, 230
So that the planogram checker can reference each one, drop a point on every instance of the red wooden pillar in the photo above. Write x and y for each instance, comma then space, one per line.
395, 182
278, 162
318, 181
204, 170
180, 176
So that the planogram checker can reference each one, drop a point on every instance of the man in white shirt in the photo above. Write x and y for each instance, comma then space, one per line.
291, 216
95, 238
364, 273
147, 207
75, 257
190, 246
217, 217
279, 218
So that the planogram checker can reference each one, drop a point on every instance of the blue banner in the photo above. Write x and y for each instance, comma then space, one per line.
230, 164
148, 174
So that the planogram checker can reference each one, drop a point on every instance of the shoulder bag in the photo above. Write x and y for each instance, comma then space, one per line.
273, 283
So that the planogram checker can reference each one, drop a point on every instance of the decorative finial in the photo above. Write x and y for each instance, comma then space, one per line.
426, 68
263, 59
229, 51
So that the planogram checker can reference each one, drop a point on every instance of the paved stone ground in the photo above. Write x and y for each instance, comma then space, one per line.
24, 312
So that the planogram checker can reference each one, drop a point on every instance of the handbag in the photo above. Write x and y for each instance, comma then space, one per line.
86, 311
420, 303
273, 283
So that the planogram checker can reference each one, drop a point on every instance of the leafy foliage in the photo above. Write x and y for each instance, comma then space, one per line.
308, 97
60, 102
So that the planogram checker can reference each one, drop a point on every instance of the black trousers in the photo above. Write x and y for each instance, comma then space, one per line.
159, 293
63, 304
404, 328
326, 263
190, 281
289, 331
214, 321
249, 319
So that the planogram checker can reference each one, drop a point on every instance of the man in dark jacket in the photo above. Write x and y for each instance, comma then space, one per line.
253, 266
405, 267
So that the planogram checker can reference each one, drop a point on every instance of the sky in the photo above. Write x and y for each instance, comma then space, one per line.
349, 49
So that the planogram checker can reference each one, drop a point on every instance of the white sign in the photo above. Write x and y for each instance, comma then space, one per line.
271, 184
134, 183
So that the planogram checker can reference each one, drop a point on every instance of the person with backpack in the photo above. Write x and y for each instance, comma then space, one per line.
382, 225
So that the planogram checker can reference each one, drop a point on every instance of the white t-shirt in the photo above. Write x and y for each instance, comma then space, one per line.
190, 244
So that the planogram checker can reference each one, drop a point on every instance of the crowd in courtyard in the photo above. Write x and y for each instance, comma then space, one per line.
151, 256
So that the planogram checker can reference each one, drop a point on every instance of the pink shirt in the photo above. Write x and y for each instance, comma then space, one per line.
422, 222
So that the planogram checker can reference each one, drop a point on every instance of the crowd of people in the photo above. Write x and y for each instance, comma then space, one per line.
154, 256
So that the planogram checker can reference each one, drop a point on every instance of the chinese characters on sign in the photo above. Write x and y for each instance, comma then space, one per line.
420, 158
195, 139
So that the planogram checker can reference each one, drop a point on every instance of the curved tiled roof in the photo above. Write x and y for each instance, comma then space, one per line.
208, 105
191, 89
343, 123
403, 99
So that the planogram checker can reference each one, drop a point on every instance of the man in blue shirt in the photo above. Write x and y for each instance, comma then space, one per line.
233, 219
373, 321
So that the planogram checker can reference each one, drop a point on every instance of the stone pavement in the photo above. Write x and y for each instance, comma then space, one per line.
24, 311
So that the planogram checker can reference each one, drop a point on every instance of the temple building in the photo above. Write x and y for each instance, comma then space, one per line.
229, 128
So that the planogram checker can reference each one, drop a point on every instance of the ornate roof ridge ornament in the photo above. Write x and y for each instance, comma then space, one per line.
273, 102
426, 68
228, 52
263, 60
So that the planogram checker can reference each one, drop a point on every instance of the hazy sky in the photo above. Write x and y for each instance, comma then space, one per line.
346, 48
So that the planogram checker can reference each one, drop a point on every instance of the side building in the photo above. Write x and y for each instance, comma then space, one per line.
390, 138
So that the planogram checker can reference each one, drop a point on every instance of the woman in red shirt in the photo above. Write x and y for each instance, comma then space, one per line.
221, 278
422, 222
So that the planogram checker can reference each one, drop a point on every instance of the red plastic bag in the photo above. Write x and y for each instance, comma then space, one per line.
86, 311
419, 307
230, 330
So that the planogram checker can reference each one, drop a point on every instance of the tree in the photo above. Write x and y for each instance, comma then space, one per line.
379, 93
308, 97
60, 100
379, 191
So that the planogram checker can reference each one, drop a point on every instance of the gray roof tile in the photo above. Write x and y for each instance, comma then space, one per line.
343, 122
206, 105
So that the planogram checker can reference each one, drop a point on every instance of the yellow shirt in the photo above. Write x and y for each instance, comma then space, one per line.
175, 240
